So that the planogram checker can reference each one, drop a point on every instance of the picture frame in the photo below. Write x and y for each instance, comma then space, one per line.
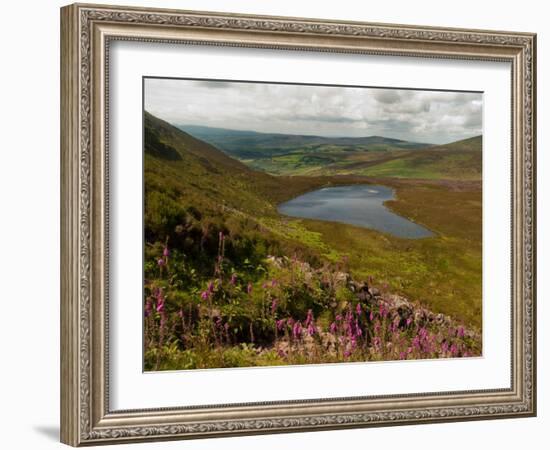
87, 33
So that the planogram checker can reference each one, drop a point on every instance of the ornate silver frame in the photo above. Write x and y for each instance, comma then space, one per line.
86, 31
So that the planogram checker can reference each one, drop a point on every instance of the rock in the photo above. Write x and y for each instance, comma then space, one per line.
439, 319
275, 261
341, 278
375, 292
400, 302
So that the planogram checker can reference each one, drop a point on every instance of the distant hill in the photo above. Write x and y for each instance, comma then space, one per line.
254, 145
460, 160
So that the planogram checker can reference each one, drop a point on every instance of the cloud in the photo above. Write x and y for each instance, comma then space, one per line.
422, 116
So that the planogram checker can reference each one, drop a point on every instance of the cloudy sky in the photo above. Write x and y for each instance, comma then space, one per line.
422, 116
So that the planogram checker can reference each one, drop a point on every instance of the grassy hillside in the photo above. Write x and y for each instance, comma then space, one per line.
460, 160
223, 269
206, 192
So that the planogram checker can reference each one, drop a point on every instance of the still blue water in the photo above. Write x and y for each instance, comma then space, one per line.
361, 205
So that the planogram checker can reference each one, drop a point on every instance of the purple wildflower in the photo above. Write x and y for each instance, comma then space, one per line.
460, 332
333, 328
274, 306
297, 330
358, 309
358, 330
309, 318
160, 301
166, 252
148, 307
249, 288
233, 280
160, 262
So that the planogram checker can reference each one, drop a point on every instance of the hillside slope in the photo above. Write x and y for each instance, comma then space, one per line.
193, 191
460, 160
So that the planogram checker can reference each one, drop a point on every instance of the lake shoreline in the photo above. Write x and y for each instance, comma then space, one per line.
362, 205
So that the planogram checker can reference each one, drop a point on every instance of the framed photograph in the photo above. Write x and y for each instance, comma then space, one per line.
276, 224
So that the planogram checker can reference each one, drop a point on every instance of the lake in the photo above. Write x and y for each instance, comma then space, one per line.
361, 205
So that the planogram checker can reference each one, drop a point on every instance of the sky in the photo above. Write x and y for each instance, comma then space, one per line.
421, 116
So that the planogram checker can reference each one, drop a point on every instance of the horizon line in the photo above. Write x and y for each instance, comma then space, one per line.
177, 125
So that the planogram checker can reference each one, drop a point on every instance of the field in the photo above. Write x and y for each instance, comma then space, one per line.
230, 282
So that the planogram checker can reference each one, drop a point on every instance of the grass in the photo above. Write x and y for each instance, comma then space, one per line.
430, 165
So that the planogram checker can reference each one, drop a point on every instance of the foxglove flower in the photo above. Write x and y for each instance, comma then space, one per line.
309, 318
297, 330
148, 307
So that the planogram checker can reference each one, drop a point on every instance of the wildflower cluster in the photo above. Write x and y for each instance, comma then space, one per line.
286, 312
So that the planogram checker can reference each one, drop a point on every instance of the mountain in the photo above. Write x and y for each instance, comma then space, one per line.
247, 145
